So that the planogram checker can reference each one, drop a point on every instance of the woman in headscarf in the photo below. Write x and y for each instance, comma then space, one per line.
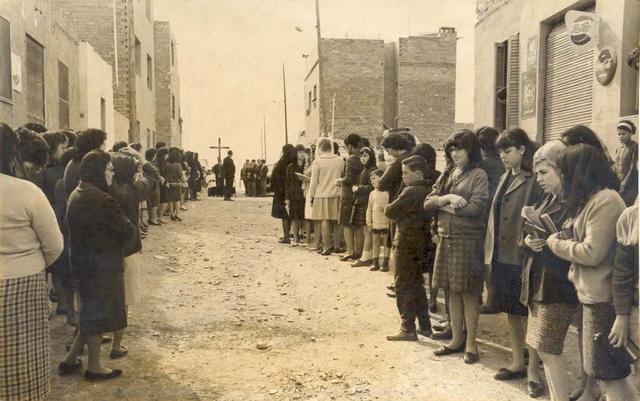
129, 192
31, 240
98, 234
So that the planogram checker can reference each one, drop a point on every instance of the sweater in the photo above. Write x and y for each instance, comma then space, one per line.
625, 271
31, 238
376, 218
326, 169
592, 248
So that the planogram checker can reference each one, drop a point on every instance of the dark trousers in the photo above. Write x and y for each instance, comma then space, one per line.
411, 296
251, 187
228, 189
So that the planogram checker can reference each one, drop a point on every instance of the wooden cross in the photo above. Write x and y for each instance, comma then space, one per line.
219, 147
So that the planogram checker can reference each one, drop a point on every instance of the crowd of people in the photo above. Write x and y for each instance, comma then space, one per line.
550, 231
254, 177
76, 213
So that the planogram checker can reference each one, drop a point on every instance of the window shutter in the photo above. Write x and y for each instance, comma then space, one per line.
501, 67
513, 80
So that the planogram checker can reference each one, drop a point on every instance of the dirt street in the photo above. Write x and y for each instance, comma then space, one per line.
229, 314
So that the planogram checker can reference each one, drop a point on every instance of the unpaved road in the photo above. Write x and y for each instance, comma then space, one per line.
229, 314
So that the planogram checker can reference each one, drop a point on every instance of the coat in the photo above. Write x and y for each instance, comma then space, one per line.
524, 190
98, 230
544, 275
325, 170
229, 168
293, 184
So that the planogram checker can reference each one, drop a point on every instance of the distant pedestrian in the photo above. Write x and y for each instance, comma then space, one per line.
229, 175
174, 177
626, 162
263, 171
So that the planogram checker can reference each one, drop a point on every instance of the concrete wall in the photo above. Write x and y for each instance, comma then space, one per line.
121, 127
41, 21
96, 83
426, 86
312, 116
167, 86
145, 98
353, 69
534, 18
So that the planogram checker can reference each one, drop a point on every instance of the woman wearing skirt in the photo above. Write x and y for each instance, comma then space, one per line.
31, 242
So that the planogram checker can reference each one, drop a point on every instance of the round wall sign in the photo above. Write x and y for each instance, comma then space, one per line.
605, 67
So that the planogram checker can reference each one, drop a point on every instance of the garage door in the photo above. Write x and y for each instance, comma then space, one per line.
568, 85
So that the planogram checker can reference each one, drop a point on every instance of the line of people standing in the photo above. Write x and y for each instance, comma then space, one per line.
254, 177
551, 230
76, 212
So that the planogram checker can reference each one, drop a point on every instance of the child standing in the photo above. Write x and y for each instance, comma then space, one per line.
626, 163
412, 225
378, 223
361, 193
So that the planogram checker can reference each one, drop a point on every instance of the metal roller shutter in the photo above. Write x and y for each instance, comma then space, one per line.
568, 85
513, 80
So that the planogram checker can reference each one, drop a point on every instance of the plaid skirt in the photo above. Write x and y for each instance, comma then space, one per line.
24, 338
459, 265
359, 215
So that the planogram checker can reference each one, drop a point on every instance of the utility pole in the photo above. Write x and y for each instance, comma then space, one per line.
320, 76
284, 85
264, 133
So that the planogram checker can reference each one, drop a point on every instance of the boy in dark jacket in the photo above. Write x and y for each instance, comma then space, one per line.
409, 244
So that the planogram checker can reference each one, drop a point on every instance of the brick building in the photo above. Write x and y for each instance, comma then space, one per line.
542, 75
426, 85
168, 120
377, 83
122, 32
38, 65
353, 71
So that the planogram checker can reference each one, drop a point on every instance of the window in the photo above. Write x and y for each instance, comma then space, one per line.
309, 104
5, 61
315, 93
148, 9
500, 89
173, 51
103, 114
148, 138
63, 96
149, 72
35, 81
173, 107
138, 133
138, 51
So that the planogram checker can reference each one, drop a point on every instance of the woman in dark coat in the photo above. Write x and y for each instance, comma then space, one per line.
278, 184
293, 194
98, 234
361, 191
161, 163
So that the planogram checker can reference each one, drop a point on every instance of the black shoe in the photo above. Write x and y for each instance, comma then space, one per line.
361, 263
102, 376
391, 294
391, 287
505, 374
347, 258
443, 335
444, 350
425, 333
442, 326
470, 357
374, 268
534, 389
65, 369
403, 336
119, 354
339, 250
384, 269
433, 306
485, 310
326, 252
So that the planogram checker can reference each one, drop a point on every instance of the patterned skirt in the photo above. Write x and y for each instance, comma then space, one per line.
548, 325
359, 215
24, 338
459, 265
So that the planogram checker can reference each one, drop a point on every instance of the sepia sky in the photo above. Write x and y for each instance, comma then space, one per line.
230, 55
